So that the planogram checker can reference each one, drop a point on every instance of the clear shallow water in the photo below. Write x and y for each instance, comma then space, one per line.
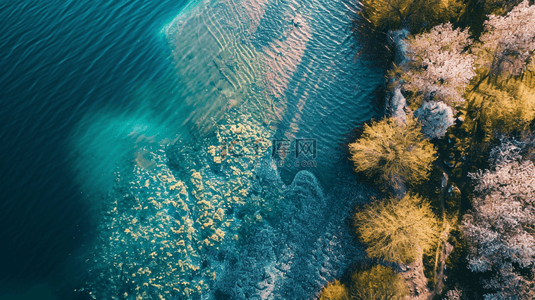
85, 85
291, 60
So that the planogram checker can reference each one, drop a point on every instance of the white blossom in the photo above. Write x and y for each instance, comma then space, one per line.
509, 40
501, 227
435, 117
440, 69
508, 151
454, 294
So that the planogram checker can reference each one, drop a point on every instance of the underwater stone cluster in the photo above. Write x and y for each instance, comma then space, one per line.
150, 245
159, 233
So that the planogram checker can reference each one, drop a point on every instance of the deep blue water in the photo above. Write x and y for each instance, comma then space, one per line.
78, 76
60, 59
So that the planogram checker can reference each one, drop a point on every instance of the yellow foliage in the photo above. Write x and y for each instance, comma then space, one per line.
335, 291
397, 230
391, 14
393, 154
378, 283
502, 104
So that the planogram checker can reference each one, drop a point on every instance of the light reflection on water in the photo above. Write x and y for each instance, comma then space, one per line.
287, 64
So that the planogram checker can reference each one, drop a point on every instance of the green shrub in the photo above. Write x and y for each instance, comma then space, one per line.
453, 199
457, 269
431, 189
378, 283
429, 260
456, 174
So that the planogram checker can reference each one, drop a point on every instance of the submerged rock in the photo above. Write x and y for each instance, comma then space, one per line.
397, 106
398, 38
310, 245
395, 101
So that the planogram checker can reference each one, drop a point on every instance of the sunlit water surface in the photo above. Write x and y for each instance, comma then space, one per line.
89, 89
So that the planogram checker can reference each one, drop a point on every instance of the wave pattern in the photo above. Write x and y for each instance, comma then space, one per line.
248, 70
215, 58
284, 70
284, 55
95, 116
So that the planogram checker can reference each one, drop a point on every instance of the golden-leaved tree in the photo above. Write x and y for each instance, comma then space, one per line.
379, 282
397, 230
393, 155
394, 14
506, 105
335, 291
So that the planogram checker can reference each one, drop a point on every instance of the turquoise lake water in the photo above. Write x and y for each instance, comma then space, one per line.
89, 88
